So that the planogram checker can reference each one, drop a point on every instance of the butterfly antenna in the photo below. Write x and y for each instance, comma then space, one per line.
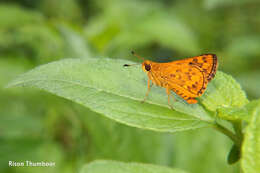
133, 53
127, 65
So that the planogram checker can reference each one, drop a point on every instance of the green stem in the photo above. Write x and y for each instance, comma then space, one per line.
238, 129
228, 133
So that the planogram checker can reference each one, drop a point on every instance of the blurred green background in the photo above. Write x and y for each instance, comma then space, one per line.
38, 126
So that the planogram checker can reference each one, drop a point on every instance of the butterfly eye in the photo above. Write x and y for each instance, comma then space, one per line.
147, 67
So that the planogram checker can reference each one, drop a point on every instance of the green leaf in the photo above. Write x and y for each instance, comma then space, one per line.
120, 167
223, 92
108, 88
251, 145
234, 114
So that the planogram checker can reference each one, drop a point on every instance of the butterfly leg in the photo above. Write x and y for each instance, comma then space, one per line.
148, 90
168, 91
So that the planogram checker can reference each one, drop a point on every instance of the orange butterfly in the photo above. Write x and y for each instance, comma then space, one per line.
188, 77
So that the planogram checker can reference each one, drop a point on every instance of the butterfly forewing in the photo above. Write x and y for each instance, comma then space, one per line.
207, 63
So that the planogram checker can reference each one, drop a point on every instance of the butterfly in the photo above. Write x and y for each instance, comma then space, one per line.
188, 77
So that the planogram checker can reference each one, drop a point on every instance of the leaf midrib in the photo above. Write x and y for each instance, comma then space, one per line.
101, 90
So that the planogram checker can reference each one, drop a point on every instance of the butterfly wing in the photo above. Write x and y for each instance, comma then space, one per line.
189, 77
207, 63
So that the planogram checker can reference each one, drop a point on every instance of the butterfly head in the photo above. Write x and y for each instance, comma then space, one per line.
146, 66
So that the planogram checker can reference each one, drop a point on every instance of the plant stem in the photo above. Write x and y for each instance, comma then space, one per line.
238, 129
228, 133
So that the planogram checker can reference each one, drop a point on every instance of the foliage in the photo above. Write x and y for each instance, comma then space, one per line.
38, 126
105, 88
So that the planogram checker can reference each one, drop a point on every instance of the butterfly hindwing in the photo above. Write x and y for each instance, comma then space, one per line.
187, 82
